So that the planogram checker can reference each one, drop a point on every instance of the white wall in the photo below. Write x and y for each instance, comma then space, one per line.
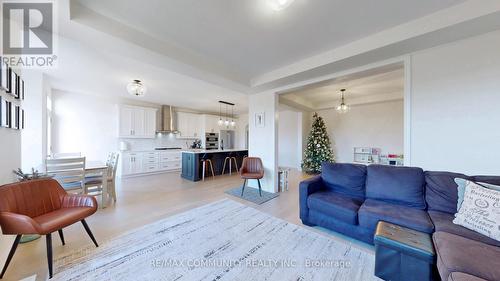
377, 125
89, 124
290, 139
263, 140
241, 129
34, 140
455, 102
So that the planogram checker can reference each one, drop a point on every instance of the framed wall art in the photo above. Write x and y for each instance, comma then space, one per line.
4, 77
15, 117
14, 89
6, 114
260, 120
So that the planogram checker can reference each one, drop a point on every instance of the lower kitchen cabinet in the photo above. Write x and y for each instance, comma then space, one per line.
145, 162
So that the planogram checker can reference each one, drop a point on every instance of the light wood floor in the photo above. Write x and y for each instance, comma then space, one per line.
143, 200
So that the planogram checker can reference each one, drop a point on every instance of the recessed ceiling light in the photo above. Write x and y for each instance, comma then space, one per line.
279, 5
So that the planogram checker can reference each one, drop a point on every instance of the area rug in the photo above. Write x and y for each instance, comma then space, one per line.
224, 240
252, 194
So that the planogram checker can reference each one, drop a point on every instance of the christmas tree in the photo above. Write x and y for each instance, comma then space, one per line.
318, 148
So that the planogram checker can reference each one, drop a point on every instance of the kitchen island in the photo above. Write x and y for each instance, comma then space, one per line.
192, 166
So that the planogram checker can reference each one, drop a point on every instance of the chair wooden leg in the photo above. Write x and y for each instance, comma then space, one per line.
113, 190
11, 254
204, 168
236, 164
260, 189
224, 166
87, 228
243, 187
212, 168
61, 235
48, 239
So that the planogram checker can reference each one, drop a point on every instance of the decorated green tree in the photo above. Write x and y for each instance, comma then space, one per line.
319, 147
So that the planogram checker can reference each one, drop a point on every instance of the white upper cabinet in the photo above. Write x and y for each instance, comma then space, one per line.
210, 123
137, 122
189, 125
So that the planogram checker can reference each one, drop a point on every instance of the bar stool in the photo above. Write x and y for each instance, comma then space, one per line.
205, 162
232, 158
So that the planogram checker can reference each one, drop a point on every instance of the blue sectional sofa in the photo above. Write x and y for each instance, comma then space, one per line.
351, 199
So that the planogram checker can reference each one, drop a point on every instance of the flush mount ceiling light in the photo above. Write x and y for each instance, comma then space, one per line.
136, 88
279, 5
342, 107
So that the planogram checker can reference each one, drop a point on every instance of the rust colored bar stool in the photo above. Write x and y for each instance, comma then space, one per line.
231, 158
206, 163
252, 169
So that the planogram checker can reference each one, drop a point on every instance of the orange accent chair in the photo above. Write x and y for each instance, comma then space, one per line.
41, 207
251, 169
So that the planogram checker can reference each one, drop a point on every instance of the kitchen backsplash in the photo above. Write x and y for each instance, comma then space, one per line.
160, 141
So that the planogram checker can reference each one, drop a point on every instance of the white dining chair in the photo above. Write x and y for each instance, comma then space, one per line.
60, 155
93, 183
69, 172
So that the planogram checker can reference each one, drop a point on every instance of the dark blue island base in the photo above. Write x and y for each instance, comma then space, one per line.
192, 167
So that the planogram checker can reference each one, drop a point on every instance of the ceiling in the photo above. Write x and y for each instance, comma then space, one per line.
193, 53
371, 86
249, 39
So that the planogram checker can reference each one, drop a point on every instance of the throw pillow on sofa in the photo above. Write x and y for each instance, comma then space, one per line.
461, 189
480, 210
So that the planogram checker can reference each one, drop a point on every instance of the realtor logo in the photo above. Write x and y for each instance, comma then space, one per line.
28, 33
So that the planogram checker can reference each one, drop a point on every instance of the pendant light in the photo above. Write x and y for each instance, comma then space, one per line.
232, 117
220, 122
226, 122
342, 107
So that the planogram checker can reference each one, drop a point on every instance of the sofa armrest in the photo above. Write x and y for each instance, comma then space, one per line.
15, 224
307, 188
74, 200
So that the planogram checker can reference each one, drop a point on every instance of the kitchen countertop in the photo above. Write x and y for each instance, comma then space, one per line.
153, 150
199, 151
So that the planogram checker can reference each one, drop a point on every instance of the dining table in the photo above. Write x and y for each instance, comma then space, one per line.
96, 168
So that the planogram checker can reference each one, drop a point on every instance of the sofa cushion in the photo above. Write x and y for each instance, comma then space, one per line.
459, 254
339, 206
441, 192
344, 178
373, 211
444, 222
460, 276
396, 185
487, 179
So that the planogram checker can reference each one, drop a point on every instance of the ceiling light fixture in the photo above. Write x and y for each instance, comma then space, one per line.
136, 88
279, 5
342, 107
226, 121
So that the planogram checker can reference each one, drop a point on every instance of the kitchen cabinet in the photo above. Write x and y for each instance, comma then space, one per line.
188, 125
138, 163
137, 122
211, 124
132, 163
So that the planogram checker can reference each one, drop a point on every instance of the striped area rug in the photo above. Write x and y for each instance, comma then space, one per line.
224, 240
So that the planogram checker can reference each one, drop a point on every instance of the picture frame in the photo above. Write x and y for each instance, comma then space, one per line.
5, 111
21, 89
260, 120
15, 117
4, 76
23, 120
14, 89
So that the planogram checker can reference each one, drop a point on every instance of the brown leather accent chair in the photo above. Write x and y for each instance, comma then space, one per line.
41, 207
251, 169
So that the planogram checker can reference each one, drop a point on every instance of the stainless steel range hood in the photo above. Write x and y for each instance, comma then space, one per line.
168, 120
